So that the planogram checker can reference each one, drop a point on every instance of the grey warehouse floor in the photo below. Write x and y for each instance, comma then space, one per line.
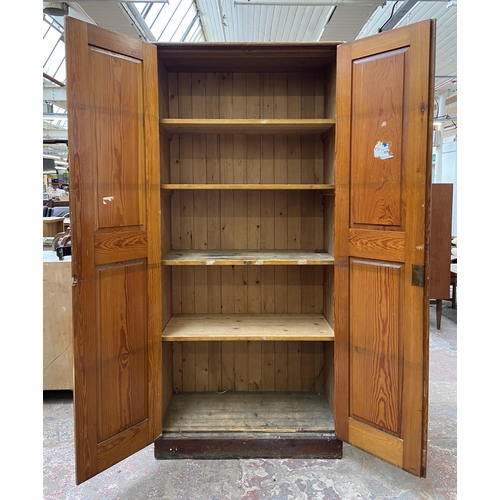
357, 475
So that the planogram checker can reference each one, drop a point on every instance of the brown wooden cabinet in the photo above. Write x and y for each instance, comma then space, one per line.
246, 221
440, 248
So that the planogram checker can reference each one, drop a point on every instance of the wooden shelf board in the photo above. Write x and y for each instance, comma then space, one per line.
231, 327
246, 258
246, 126
326, 187
248, 412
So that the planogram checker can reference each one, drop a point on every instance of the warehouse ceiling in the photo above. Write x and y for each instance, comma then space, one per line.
246, 21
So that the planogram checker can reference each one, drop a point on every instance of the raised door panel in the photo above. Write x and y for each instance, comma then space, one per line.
115, 222
382, 179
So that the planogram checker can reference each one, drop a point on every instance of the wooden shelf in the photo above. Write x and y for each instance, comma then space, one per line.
273, 327
172, 126
246, 412
247, 258
277, 187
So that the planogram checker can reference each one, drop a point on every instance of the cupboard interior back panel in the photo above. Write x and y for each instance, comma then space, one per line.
247, 366
247, 220
246, 159
246, 95
253, 219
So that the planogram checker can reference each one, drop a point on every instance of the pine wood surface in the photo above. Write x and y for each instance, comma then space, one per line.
246, 258
264, 187
234, 115
255, 220
248, 365
381, 230
302, 57
269, 126
115, 207
248, 412
57, 325
248, 327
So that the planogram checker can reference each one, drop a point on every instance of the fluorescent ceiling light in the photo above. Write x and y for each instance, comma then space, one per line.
55, 8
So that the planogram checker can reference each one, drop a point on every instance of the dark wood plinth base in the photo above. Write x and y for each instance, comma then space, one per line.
246, 446
248, 425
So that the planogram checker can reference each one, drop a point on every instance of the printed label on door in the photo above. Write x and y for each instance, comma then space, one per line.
382, 150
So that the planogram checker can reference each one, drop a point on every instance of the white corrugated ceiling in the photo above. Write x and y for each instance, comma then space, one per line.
275, 21
446, 35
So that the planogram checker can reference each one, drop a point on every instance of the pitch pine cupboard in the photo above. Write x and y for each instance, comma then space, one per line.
250, 240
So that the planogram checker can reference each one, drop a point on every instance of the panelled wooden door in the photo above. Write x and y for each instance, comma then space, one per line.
382, 181
113, 142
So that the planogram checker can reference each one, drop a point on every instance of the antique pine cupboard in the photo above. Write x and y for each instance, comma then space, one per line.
249, 246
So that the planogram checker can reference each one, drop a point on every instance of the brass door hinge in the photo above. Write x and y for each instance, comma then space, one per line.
417, 275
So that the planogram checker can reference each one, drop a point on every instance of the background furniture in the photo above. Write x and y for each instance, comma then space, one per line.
57, 323
52, 225
440, 246
454, 286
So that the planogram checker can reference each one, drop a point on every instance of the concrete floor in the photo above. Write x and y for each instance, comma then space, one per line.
356, 476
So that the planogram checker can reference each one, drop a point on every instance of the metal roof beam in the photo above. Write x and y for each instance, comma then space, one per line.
54, 94
55, 134
395, 18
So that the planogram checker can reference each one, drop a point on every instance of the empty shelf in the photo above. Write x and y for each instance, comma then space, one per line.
247, 258
172, 126
272, 327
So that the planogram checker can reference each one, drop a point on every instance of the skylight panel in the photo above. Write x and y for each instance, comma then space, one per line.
173, 21
53, 51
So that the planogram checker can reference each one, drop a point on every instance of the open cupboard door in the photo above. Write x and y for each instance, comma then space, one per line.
115, 228
382, 182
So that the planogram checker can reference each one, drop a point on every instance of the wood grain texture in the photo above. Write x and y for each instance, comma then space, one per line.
387, 245
115, 245
264, 187
248, 412
120, 246
215, 327
377, 119
389, 201
232, 159
378, 443
247, 151
248, 365
440, 245
120, 169
376, 344
271, 126
240, 220
57, 326
122, 345
244, 57
246, 258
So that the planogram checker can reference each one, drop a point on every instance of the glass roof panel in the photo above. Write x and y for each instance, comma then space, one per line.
175, 21
172, 21
53, 50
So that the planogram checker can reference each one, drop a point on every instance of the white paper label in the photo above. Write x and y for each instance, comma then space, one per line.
382, 150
